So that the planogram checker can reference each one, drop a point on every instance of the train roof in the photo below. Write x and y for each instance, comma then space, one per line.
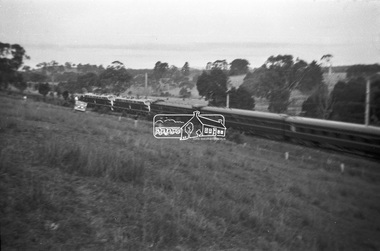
334, 124
160, 102
134, 99
243, 112
103, 96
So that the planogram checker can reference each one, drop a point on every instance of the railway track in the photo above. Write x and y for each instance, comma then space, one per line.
346, 138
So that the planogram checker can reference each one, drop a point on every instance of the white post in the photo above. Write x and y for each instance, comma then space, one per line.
367, 102
342, 167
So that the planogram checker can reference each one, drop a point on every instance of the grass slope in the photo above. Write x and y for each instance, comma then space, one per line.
84, 181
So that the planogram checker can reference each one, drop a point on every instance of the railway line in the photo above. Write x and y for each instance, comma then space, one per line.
338, 136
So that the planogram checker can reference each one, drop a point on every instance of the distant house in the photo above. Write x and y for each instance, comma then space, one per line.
199, 126
221, 64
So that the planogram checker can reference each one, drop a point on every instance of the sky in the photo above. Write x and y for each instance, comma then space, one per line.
141, 32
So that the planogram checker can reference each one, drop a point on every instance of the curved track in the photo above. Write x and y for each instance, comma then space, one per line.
338, 136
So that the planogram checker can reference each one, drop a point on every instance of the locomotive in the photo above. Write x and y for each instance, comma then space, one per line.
347, 137
117, 104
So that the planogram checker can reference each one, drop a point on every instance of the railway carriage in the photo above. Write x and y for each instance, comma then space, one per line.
160, 107
132, 106
341, 135
346, 137
118, 104
251, 122
93, 100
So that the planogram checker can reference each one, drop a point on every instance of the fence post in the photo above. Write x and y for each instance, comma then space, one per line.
286, 155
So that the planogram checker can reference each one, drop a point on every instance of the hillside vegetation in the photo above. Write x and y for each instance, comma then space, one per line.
85, 181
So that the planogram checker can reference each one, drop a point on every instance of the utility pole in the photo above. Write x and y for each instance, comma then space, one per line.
228, 100
146, 84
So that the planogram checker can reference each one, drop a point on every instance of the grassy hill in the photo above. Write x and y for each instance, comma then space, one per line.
85, 181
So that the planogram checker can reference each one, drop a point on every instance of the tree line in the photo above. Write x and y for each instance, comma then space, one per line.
280, 75
275, 80
115, 78
346, 102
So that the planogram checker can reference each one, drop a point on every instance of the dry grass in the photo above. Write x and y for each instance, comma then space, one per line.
86, 181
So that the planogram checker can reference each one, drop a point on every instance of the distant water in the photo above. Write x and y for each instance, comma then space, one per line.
198, 54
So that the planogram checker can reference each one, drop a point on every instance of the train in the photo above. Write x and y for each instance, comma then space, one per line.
341, 136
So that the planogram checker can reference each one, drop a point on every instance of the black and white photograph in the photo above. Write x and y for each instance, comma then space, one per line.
205, 125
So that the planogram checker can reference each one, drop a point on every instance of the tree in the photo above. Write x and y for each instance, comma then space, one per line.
159, 70
58, 92
185, 70
349, 98
318, 104
312, 78
174, 74
261, 82
71, 86
115, 78
49, 69
327, 57
26, 68
68, 65
37, 77
12, 57
241, 99
21, 86
239, 66
279, 100
265, 83
289, 72
362, 71
279, 76
184, 93
213, 86
65, 95
348, 101
44, 89
375, 101
66, 76
88, 81
327, 61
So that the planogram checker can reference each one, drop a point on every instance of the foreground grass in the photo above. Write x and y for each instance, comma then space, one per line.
95, 182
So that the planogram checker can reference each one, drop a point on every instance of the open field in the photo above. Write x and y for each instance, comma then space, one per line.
85, 181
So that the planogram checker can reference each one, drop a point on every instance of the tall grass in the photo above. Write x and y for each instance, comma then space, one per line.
129, 190
88, 159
